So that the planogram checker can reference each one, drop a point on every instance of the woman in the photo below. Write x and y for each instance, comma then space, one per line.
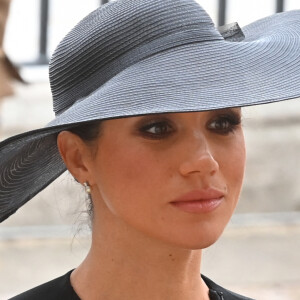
147, 96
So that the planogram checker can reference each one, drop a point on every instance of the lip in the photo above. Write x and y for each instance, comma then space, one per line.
199, 201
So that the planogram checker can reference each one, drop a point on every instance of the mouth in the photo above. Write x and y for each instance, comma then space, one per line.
199, 201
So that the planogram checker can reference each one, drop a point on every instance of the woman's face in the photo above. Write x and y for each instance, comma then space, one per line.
174, 177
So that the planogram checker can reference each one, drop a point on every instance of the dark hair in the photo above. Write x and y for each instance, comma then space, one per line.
88, 132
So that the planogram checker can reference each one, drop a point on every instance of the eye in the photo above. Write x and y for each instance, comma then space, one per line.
224, 124
157, 129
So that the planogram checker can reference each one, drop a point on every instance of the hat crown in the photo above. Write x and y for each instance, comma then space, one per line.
102, 44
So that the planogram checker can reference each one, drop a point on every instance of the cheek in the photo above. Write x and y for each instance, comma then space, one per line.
234, 163
232, 166
126, 182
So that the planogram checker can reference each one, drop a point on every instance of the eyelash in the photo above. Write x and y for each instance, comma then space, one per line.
166, 124
167, 128
233, 121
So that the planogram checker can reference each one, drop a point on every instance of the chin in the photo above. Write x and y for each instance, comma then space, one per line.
195, 240
198, 231
205, 243
202, 243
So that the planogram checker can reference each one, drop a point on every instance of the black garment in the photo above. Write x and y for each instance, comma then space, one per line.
61, 289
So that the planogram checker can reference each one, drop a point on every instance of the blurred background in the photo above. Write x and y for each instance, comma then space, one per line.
259, 253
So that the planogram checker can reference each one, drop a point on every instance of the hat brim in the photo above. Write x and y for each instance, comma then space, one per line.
263, 68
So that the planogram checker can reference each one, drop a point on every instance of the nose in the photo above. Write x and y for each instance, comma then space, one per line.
199, 161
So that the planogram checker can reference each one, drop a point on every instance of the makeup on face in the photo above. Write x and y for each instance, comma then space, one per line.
199, 201
163, 126
174, 176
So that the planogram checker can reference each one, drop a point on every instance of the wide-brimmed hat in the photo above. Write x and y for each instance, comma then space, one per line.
135, 57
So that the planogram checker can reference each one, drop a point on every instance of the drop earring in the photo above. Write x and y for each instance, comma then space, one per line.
87, 189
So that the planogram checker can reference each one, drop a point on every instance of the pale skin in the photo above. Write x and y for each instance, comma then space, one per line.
142, 246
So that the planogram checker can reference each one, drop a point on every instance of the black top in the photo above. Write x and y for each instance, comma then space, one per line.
61, 289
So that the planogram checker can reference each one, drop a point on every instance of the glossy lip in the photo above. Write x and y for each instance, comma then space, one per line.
199, 201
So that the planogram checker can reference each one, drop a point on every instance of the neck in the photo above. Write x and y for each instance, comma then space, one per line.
134, 266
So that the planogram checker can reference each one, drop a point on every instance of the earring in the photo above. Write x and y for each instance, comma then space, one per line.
87, 189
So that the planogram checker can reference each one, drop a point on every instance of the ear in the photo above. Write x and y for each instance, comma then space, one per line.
75, 154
